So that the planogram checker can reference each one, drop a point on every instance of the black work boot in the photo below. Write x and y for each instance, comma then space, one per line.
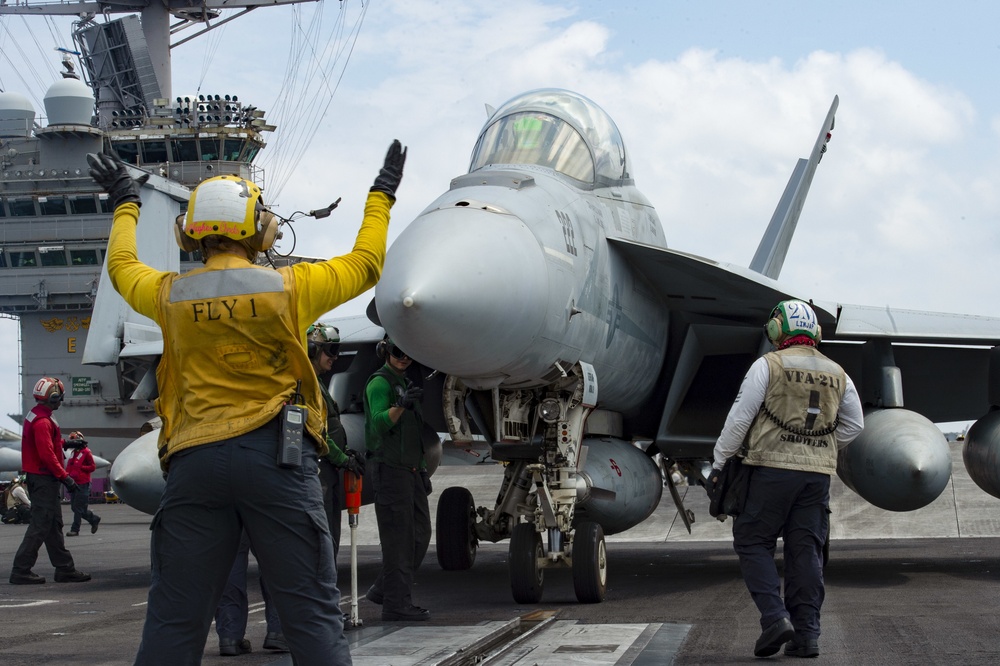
231, 647
30, 578
772, 638
71, 576
410, 614
802, 647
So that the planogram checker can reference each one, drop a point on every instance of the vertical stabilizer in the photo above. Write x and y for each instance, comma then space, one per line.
114, 324
770, 256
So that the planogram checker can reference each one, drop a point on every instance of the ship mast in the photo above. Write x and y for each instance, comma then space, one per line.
155, 16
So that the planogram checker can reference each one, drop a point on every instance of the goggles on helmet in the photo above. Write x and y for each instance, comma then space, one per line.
330, 348
397, 353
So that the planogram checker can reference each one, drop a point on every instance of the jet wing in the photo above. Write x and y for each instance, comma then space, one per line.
862, 322
356, 331
696, 285
699, 286
943, 358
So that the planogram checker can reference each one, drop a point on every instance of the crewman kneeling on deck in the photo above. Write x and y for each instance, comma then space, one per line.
241, 409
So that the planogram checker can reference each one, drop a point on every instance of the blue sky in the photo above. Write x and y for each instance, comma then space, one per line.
715, 101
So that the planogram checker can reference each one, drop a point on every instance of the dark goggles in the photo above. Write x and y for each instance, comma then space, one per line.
397, 353
330, 348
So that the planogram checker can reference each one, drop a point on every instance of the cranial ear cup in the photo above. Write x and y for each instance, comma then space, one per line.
185, 242
774, 329
268, 230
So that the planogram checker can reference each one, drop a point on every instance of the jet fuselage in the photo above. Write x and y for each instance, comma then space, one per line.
507, 280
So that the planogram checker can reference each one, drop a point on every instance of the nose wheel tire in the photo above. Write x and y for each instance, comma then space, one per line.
455, 529
526, 577
590, 563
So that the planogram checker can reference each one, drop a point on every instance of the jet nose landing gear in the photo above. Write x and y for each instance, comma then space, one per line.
590, 563
528, 560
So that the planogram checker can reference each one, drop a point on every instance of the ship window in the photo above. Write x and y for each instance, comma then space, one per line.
128, 151
83, 205
3, 210
191, 256
154, 151
84, 258
52, 205
209, 150
53, 257
21, 207
185, 150
105, 205
233, 148
23, 259
252, 150
3, 260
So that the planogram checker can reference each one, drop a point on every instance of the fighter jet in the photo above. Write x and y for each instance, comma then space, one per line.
10, 457
541, 288
549, 319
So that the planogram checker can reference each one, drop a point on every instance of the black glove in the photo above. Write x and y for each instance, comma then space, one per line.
70, 484
355, 463
411, 395
426, 478
110, 173
711, 482
392, 171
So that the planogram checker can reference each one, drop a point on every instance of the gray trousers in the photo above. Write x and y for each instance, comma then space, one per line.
404, 528
332, 480
213, 493
45, 527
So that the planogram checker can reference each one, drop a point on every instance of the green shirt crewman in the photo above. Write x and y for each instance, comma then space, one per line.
393, 426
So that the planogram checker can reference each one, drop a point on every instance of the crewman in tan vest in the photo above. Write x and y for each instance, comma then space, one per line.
795, 409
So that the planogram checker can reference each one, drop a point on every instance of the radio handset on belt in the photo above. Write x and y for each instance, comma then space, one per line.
293, 423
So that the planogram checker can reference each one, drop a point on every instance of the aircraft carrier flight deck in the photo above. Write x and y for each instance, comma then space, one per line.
911, 588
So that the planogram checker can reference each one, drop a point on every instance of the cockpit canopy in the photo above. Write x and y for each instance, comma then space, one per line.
557, 129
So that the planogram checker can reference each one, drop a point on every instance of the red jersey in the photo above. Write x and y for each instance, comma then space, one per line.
42, 443
81, 465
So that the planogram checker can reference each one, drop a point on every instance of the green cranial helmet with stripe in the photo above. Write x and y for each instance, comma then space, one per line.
791, 318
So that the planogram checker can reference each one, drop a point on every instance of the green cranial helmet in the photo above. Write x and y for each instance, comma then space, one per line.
791, 318
323, 337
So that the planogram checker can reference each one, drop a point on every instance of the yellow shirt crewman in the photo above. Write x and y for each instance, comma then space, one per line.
233, 356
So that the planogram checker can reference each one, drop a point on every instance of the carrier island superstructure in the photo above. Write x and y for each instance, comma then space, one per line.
115, 96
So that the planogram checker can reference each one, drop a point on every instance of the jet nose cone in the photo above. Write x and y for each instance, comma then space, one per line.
464, 291
136, 475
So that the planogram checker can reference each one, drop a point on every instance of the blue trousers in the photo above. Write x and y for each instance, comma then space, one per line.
80, 502
213, 493
795, 506
234, 607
